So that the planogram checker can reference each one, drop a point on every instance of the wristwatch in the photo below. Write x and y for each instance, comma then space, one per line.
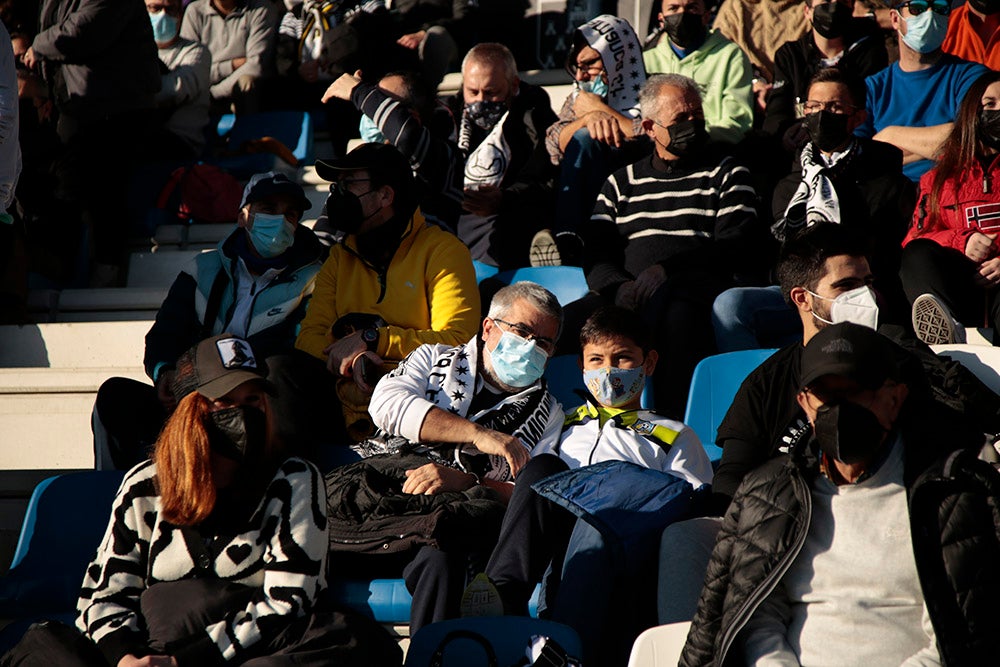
370, 337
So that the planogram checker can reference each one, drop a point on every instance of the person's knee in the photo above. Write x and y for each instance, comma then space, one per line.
919, 255
540, 467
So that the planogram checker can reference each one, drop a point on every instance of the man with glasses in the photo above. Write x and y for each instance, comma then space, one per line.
390, 285
723, 71
669, 232
974, 32
913, 102
837, 39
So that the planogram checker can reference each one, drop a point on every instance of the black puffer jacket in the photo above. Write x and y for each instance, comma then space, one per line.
954, 522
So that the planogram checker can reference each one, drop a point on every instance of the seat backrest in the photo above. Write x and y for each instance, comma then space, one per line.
660, 646
713, 386
566, 282
483, 270
508, 635
982, 360
66, 518
565, 379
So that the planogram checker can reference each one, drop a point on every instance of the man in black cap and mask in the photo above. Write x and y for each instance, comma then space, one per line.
391, 284
845, 551
669, 231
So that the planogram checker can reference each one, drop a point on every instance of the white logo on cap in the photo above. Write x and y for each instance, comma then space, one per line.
235, 353
838, 345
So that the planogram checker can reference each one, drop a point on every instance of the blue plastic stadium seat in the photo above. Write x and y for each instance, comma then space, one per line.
566, 282
292, 128
483, 270
508, 635
715, 383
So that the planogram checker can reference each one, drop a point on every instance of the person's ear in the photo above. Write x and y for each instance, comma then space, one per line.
649, 364
895, 18
800, 299
387, 195
803, 400
647, 126
897, 396
857, 119
659, 19
243, 217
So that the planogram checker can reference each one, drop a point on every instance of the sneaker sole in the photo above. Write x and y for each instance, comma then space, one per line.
544, 253
932, 323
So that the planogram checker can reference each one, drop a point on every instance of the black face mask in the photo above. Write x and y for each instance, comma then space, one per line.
827, 130
237, 433
485, 114
686, 30
985, 6
848, 432
343, 210
831, 19
686, 137
989, 127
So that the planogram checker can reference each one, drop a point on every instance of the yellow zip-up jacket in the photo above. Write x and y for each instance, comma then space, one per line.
430, 294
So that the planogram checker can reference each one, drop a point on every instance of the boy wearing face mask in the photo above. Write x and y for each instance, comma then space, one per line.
256, 284
974, 32
837, 39
846, 551
913, 102
687, 46
184, 93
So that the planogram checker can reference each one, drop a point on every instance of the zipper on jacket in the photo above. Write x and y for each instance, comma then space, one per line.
986, 182
769, 584
374, 540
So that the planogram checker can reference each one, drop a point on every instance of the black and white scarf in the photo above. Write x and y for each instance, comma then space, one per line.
815, 200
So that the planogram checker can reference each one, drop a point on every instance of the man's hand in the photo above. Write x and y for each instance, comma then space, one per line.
989, 272
375, 363
30, 59
163, 391
485, 201
795, 137
148, 661
604, 127
647, 282
500, 444
342, 87
625, 296
588, 103
412, 41
340, 354
760, 90
431, 479
239, 62
309, 71
979, 247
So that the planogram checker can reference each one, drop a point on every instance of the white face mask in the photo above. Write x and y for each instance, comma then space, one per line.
857, 306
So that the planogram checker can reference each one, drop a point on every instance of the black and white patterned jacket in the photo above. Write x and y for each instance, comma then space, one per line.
280, 548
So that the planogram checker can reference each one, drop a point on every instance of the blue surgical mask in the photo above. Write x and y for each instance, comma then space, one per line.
517, 362
270, 234
614, 387
597, 86
370, 134
164, 27
925, 32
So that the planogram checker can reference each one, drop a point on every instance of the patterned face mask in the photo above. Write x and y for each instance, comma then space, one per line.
485, 114
614, 387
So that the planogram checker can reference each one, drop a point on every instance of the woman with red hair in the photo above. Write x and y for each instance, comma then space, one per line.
217, 547
951, 259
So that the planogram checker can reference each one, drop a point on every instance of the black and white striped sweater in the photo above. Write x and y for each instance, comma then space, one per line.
280, 548
697, 215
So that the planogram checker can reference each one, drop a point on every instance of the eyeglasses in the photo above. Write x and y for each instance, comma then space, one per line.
591, 67
342, 184
546, 344
917, 7
815, 106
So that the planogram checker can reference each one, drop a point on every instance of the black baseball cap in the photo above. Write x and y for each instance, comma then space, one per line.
383, 162
271, 184
216, 366
852, 351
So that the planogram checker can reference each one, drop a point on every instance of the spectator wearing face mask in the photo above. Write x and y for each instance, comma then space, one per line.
184, 94
974, 32
837, 39
912, 103
598, 130
255, 284
723, 71
508, 176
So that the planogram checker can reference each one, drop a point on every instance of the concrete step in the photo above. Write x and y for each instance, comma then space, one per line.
75, 345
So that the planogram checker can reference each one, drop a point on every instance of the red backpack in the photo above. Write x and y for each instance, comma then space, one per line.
200, 193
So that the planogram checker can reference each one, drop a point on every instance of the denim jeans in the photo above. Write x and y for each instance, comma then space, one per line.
749, 318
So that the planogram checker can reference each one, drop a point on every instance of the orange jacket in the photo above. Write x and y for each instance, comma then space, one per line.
962, 40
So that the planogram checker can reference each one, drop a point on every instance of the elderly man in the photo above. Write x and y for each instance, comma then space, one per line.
668, 232
867, 542
912, 103
255, 284
722, 70
502, 123
471, 415
394, 283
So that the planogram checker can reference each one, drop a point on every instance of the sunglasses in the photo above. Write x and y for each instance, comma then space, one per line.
917, 7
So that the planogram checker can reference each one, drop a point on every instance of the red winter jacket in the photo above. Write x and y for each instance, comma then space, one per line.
969, 202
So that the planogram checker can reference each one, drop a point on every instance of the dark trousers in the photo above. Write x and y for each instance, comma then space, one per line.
533, 535
178, 610
928, 267
126, 421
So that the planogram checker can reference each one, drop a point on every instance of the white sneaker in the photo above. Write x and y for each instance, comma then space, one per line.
933, 323
543, 251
